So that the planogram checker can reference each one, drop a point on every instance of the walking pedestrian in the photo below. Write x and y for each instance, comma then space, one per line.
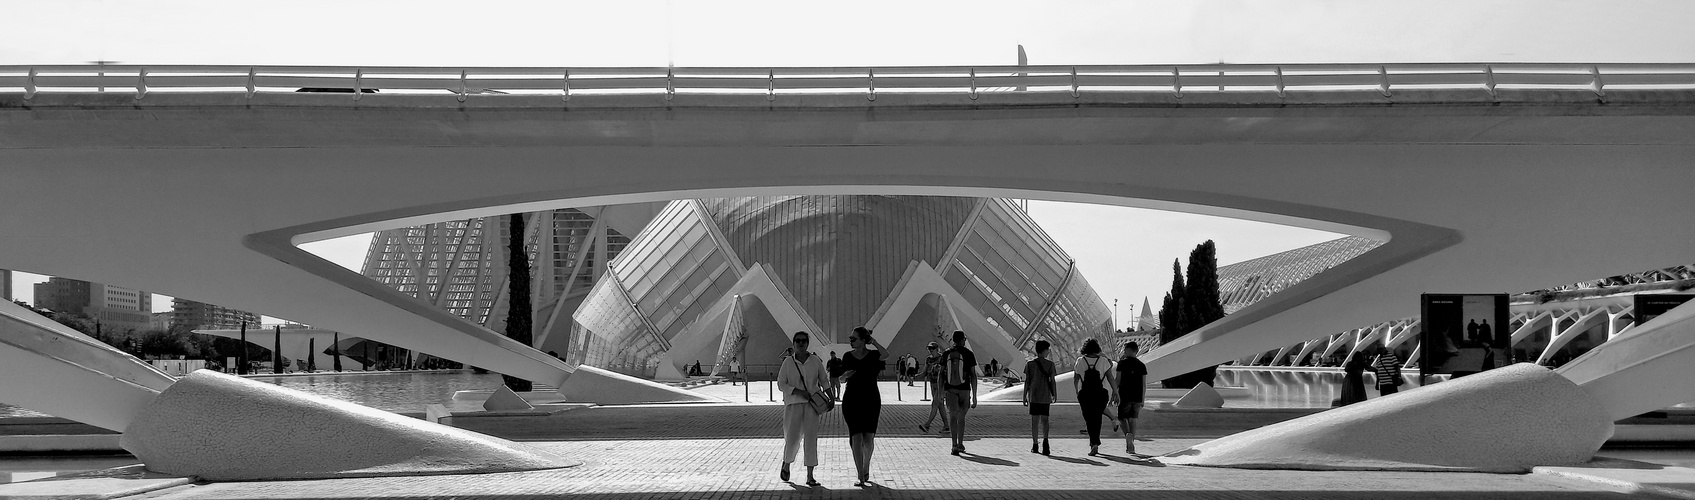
932, 378
1132, 382
1353, 380
1095, 389
862, 403
1040, 386
959, 384
735, 371
1387, 368
800, 377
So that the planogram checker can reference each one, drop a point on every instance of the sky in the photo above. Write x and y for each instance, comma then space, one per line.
1128, 259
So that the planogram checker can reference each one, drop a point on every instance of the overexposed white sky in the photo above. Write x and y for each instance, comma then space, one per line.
1127, 259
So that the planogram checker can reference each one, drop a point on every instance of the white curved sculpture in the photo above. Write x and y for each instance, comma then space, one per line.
226, 428
43, 362
1644, 369
1467, 424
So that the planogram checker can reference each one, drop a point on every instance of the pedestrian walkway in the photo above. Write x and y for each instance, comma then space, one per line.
733, 451
903, 468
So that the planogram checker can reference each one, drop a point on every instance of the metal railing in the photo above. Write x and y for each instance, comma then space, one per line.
969, 82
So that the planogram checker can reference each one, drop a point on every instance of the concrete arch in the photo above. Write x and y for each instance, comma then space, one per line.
1366, 171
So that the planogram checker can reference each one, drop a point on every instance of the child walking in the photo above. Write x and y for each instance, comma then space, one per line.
1039, 389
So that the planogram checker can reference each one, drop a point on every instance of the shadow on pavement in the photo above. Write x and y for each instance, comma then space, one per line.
1080, 461
1145, 462
988, 460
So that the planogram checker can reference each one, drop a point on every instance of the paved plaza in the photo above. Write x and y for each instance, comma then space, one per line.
733, 450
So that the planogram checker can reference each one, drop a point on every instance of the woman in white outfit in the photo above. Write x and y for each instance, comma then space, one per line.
800, 376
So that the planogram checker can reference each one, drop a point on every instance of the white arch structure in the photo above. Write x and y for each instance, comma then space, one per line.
200, 194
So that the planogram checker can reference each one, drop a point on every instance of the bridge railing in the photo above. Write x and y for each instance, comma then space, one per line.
1177, 80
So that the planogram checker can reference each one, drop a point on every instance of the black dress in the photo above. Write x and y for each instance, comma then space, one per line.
862, 403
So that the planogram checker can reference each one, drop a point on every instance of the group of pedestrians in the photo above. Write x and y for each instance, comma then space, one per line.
1386, 370
810, 386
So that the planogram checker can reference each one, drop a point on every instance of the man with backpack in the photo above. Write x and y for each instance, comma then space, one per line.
959, 383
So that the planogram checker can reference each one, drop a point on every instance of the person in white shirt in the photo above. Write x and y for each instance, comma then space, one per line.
799, 376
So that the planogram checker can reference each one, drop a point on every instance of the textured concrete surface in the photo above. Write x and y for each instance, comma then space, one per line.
222, 427
1480, 423
911, 468
709, 453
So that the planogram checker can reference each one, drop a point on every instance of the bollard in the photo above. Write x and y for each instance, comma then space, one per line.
771, 390
926, 390
897, 390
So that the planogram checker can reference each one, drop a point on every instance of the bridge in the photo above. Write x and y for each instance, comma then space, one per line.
190, 180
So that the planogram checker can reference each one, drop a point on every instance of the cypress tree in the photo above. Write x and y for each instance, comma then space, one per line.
1201, 303
1171, 309
518, 293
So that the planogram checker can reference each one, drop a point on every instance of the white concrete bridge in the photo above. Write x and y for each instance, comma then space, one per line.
199, 181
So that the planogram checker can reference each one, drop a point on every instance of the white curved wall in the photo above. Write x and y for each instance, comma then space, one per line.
1432, 180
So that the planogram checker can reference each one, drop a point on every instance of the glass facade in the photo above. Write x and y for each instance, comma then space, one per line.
841, 258
1010, 271
460, 265
664, 279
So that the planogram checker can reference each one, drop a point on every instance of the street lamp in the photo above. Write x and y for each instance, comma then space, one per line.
1114, 315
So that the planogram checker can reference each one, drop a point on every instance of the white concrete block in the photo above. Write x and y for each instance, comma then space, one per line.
225, 428
1504, 420
594, 385
1201, 396
503, 399
435, 412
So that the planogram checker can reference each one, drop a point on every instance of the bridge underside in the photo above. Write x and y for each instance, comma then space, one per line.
205, 199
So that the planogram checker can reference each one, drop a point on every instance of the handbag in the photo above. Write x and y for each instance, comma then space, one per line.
822, 401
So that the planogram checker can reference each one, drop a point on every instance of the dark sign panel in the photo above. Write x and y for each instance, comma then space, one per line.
1650, 306
1463, 333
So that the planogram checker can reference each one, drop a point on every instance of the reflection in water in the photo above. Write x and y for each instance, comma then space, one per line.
1292, 388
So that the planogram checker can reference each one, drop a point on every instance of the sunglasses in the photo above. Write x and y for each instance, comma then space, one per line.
802, 341
853, 339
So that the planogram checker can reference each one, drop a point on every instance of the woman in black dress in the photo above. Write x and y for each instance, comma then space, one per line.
1353, 380
862, 404
1096, 387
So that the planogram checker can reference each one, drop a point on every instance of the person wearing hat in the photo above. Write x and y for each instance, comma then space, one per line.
932, 374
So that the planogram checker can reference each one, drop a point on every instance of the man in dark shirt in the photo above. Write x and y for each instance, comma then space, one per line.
1132, 382
959, 383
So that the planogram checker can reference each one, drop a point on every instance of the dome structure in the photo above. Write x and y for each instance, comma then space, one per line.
712, 279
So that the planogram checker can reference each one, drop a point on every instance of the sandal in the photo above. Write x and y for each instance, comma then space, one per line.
812, 482
924, 428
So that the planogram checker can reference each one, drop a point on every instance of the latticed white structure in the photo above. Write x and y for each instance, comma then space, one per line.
711, 278
461, 266
1549, 327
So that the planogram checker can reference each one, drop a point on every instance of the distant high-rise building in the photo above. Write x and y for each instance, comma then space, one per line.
116, 308
200, 315
6, 284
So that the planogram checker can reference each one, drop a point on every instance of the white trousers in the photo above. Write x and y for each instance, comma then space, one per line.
800, 425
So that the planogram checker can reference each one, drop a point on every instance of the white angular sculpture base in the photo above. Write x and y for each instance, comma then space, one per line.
594, 385
1504, 420
1202, 396
225, 428
503, 399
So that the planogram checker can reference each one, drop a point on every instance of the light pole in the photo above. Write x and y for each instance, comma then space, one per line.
1115, 315
1132, 317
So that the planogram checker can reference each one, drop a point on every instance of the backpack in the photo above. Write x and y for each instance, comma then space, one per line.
1091, 377
956, 368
